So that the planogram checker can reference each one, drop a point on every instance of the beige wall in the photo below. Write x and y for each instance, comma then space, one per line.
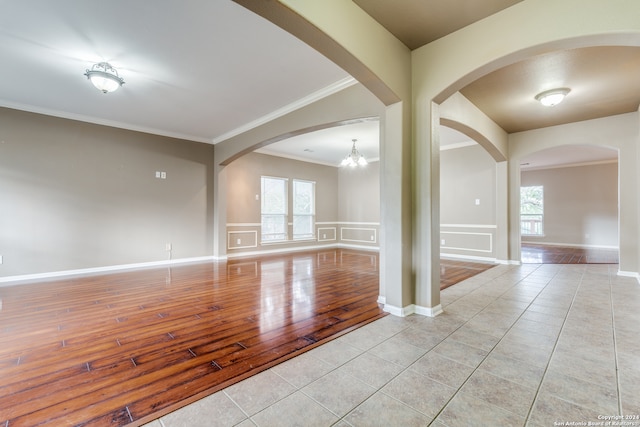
347, 204
359, 194
467, 228
617, 132
580, 204
80, 196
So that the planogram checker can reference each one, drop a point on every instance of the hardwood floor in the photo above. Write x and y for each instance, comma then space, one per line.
546, 254
124, 348
452, 272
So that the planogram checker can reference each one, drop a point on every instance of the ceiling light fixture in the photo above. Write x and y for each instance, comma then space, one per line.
104, 77
552, 97
354, 158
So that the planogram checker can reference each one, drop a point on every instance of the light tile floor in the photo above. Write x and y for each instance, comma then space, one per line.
530, 345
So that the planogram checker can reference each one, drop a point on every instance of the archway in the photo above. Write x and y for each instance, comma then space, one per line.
569, 205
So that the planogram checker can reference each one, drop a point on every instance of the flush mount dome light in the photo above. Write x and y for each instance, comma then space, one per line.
552, 97
104, 77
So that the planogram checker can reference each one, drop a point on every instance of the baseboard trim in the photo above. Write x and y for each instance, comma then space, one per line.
399, 311
413, 309
508, 262
429, 311
468, 258
632, 274
301, 249
571, 245
11, 280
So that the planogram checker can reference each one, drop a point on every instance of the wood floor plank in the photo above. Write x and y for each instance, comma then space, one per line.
119, 349
113, 349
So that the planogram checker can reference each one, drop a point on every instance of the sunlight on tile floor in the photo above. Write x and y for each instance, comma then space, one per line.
528, 345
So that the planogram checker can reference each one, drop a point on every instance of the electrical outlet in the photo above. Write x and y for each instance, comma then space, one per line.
324, 236
163, 175
0, 259
442, 242
167, 246
157, 174
237, 241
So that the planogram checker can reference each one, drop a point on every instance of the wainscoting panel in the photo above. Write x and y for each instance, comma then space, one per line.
327, 234
468, 239
242, 239
358, 234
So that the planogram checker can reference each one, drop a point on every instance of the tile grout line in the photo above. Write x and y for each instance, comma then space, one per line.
615, 342
555, 346
447, 336
499, 341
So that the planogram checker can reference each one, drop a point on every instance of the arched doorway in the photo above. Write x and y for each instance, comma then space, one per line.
569, 205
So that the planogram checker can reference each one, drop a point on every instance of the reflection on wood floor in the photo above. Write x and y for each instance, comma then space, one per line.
452, 272
546, 254
127, 347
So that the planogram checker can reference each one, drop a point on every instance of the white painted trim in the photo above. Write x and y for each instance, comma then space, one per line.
111, 268
429, 311
359, 247
571, 245
102, 122
633, 274
469, 257
508, 262
255, 239
257, 224
572, 165
413, 309
375, 235
382, 299
399, 311
310, 99
276, 251
335, 234
469, 249
469, 225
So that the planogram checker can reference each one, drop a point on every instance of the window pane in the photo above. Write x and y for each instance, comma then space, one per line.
274, 195
531, 200
274, 227
303, 209
531, 210
302, 226
303, 197
274, 209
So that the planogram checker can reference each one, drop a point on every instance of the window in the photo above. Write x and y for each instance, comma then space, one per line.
304, 209
531, 210
274, 209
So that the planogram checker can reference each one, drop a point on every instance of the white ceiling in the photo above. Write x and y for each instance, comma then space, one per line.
206, 70
553, 157
329, 146
194, 69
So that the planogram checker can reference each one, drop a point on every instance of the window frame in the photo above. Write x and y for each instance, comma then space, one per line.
311, 235
284, 214
539, 216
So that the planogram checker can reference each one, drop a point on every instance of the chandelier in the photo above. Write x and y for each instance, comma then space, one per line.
104, 77
354, 158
